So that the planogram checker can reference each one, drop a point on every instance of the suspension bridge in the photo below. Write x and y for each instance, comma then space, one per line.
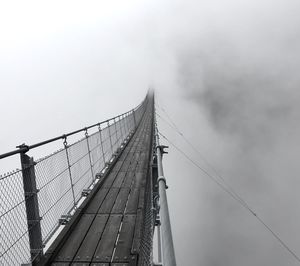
95, 201
99, 198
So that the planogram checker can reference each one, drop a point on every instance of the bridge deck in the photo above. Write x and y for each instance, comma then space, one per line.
109, 229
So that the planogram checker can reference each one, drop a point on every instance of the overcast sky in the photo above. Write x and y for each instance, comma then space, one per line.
227, 72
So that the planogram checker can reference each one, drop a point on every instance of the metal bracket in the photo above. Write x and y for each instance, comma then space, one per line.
99, 175
65, 141
108, 164
162, 149
156, 201
157, 222
23, 147
64, 219
85, 192
162, 178
86, 132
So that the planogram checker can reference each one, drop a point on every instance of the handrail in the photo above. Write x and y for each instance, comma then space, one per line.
25, 148
46, 191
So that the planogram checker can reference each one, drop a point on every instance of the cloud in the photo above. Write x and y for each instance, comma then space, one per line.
235, 62
239, 63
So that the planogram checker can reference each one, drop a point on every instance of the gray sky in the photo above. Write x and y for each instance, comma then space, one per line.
226, 72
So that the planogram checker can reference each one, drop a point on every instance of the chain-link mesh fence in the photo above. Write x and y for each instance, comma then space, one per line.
146, 245
60, 177
146, 256
14, 245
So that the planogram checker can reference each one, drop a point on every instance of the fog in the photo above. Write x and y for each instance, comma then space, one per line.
225, 72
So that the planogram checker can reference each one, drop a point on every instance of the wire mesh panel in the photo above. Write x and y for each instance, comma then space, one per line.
146, 256
106, 143
80, 167
113, 136
130, 123
138, 113
96, 152
14, 245
55, 194
60, 179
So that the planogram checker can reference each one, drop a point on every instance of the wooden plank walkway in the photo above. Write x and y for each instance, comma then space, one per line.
109, 230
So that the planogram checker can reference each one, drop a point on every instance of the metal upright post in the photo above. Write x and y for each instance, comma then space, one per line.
32, 208
126, 125
89, 152
70, 173
158, 240
116, 129
109, 133
168, 252
121, 122
133, 113
101, 141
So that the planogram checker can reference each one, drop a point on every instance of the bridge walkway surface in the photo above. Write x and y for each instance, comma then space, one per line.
106, 230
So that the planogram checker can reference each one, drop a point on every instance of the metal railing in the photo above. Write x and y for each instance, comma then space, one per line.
44, 193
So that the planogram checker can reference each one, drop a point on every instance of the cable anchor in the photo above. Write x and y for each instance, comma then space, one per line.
65, 141
162, 149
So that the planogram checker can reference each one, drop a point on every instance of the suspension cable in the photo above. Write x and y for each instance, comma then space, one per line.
233, 195
216, 172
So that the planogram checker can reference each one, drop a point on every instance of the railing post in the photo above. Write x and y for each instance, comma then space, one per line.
109, 133
69, 169
32, 208
126, 124
115, 123
159, 241
120, 122
168, 253
89, 152
133, 113
101, 141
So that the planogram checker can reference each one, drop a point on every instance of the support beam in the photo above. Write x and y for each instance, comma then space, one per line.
168, 253
32, 208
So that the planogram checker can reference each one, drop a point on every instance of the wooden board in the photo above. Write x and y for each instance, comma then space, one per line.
109, 180
141, 198
117, 166
116, 211
121, 200
138, 178
88, 247
106, 245
109, 201
137, 232
70, 247
133, 165
97, 201
123, 247
119, 179
133, 201
128, 179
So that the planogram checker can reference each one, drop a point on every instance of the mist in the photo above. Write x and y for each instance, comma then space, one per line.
226, 72
240, 68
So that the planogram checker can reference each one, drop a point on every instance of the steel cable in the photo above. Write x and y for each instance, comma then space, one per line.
242, 203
